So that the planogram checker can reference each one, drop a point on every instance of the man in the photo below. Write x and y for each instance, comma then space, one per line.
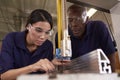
87, 36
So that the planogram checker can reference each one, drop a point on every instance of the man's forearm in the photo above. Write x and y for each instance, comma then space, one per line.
111, 57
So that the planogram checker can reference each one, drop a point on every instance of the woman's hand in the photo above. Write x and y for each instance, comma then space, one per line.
42, 65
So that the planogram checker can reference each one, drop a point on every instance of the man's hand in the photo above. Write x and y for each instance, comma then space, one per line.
58, 62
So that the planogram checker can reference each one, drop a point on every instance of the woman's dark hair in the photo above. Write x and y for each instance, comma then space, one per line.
40, 15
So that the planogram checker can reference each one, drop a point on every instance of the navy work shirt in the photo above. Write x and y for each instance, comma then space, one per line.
14, 53
96, 37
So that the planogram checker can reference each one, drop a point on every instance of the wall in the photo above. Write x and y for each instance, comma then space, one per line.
115, 15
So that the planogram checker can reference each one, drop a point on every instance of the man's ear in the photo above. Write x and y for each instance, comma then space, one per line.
87, 19
84, 16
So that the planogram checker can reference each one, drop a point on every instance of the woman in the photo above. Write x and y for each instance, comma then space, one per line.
29, 51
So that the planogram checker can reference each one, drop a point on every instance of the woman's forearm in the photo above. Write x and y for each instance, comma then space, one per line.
14, 73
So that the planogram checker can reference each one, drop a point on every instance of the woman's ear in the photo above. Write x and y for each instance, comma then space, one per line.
28, 27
